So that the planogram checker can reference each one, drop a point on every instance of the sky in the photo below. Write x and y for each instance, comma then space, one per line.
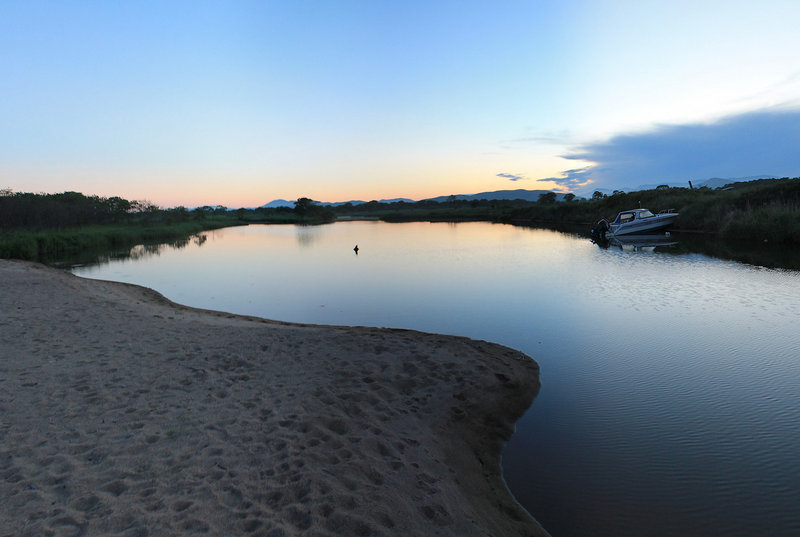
237, 103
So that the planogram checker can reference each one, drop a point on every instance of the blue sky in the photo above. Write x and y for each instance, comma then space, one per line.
238, 103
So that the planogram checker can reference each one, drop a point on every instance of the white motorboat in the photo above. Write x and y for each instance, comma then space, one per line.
634, 221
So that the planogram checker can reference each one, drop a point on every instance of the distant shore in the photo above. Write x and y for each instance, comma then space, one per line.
126, 414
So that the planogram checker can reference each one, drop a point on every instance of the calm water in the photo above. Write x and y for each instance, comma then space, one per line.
670, 400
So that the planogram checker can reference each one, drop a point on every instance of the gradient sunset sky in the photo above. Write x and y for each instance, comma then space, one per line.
238, 103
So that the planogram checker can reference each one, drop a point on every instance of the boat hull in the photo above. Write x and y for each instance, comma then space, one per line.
644, 225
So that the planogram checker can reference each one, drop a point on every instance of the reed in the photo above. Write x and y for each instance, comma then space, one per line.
778, 221
757, 210
51, 244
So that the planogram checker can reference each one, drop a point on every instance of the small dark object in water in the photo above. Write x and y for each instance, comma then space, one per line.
356, 249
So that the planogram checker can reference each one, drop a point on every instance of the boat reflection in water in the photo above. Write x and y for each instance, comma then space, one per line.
637, 243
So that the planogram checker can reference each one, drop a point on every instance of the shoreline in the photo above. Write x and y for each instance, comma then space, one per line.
126, 414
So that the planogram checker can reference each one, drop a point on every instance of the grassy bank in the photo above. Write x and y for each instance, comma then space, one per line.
44, 227
431, 211
753, 211
46, 245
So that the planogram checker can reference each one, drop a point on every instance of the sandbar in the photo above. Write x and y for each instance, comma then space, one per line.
122, 413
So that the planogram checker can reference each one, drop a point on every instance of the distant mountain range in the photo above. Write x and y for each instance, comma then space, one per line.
274, 204
717, 182
529, 195
714, 182
286, 203
519, 194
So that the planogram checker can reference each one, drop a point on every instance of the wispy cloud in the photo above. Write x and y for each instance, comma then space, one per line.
571, 180
756, 143
512, 177
562, 137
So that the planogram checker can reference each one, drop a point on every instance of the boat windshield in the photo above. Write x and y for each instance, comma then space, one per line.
645, 214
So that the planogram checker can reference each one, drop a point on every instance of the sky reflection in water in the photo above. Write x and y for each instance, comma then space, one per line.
670, 383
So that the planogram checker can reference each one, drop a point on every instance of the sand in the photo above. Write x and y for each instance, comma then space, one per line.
122, 413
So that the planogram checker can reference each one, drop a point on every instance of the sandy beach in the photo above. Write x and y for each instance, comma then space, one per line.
122, 413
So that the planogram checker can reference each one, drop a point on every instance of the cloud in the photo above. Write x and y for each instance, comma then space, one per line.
571, 180
512, 177
562, 137
756, 143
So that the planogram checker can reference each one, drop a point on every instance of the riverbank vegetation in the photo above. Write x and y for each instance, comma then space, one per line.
453, 210
767, 209
41, 227
47, 226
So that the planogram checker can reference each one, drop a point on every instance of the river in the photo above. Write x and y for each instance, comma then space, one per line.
670, 397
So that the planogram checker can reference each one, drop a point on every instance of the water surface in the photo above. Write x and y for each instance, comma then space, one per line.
670, 392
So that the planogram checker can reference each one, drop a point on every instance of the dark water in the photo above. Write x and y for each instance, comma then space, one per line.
670, 400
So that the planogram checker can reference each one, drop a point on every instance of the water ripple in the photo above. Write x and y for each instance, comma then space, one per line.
670, 396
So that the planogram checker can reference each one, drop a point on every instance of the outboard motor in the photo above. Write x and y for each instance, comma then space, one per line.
599, 231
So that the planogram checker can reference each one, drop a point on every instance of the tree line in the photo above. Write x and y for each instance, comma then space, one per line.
767, 209
67, 210
24, 210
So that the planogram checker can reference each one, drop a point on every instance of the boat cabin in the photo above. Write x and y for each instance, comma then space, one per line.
626, 217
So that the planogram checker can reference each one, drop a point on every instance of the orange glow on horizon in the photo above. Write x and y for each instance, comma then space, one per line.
189, 189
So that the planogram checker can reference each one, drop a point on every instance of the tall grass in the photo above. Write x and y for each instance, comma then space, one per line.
48, 245
758, 210
778, 221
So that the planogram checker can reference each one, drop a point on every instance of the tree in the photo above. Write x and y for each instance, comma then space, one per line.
598, 195
569, 197
144, 206
303, 205
547, 198
118, 207
200, 213
310, 211
177, 214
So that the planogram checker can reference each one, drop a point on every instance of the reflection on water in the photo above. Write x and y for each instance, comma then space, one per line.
143, 251
670, 378
764, 254
638, 243
308, 235
135, 253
